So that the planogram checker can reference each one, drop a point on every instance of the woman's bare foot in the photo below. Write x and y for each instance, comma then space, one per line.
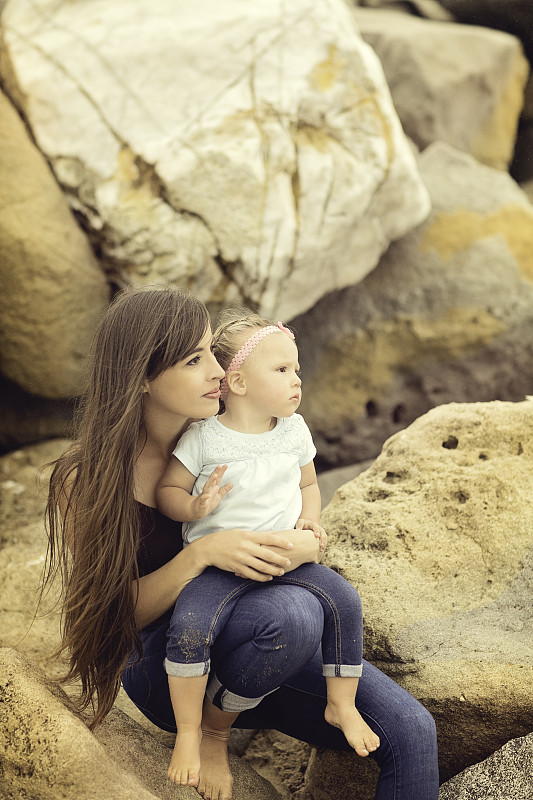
184, 766
216, 781
358, 734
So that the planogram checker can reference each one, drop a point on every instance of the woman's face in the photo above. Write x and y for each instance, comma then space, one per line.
191, 388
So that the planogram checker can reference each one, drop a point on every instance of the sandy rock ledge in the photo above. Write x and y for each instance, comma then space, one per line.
48, 753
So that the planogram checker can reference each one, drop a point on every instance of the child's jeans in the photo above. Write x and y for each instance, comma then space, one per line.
205, 605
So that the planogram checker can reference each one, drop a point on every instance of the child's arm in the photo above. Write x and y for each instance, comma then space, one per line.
311, 505
173, 492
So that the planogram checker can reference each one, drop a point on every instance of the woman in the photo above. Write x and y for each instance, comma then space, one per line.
122, 564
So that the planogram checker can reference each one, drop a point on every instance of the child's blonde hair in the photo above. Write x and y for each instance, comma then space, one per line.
234, 325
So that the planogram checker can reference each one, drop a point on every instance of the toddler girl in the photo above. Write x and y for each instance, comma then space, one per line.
266, 451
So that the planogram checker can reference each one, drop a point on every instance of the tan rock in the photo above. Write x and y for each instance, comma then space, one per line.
23, 488
257, 174
49, 753
437, 537
53, 291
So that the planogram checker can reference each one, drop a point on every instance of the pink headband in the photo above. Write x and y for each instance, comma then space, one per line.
247, 348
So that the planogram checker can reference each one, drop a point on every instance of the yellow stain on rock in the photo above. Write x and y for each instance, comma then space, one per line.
454, 232
494, 143
362, 366
326, 72
138, 190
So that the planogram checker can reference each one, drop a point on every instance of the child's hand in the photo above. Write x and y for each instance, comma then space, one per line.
212, 493
318, 530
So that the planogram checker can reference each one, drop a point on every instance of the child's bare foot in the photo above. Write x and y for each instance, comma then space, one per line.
184, 766
216, 781
358, 734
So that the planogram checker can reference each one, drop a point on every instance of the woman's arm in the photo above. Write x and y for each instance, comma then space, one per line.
255, 555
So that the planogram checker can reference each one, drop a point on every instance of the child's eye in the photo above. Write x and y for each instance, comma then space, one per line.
282, 369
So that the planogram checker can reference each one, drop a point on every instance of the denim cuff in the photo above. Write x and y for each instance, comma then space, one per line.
342, 670
180, 670
228, 701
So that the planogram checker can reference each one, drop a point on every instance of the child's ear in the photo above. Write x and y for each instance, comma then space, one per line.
236, 383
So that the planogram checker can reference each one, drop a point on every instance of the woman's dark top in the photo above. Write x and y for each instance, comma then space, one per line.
160, 542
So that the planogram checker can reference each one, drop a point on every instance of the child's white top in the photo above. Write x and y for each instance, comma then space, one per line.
264, 468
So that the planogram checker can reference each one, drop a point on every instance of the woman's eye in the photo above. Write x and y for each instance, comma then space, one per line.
193, 361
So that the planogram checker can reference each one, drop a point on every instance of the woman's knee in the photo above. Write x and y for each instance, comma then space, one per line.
422, 723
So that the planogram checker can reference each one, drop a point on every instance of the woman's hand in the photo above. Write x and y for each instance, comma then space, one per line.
256, 555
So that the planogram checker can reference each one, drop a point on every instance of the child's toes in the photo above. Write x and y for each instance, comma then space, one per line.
360, 747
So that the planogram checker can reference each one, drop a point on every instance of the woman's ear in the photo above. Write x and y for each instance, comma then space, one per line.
236, 383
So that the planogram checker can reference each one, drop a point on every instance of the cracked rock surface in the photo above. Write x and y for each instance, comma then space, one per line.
245, 150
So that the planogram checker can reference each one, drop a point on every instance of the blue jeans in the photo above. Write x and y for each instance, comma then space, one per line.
205, 605
272, 639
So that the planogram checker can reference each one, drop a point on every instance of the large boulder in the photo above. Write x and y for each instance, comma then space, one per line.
245, 150
53, 291
437, 536
446, 316
459, 84
48, 753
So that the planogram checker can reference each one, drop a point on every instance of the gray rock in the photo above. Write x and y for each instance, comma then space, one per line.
459, 84
446, 316
505, 775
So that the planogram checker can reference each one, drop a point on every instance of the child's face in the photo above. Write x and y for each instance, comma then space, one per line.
272, 377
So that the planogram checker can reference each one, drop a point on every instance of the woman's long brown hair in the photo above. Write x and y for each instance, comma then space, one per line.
93, 545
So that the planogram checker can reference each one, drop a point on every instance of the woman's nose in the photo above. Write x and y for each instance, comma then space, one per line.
218, 372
